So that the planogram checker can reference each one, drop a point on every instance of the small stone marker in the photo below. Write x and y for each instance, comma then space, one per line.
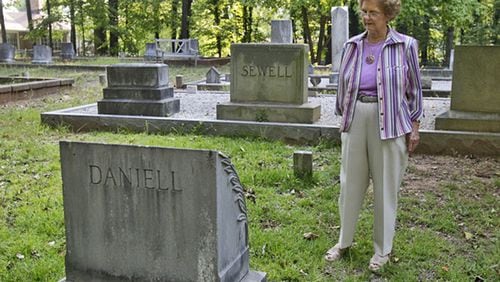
213, 75
7, 52
302, 163
281, 31
102, 79
138, 89
67, 51
139, 213
179, 82
269, 83
42, 54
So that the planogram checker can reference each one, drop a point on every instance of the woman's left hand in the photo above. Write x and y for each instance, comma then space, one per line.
413, 138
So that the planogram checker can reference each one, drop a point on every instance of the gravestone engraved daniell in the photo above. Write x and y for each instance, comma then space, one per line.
138, 89
269, 83
135, 213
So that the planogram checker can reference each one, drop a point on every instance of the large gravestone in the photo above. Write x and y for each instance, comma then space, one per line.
150, 53
42, 54
7, 52
67, 51
475, 95
340, 34
281, 31
138, 89
269, 83
136, 213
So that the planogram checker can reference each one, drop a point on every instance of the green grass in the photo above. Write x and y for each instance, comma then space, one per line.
430, 242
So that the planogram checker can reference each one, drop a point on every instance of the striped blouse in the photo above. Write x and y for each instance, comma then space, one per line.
398, 84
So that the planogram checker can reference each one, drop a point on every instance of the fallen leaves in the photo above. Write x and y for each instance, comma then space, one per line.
310, 236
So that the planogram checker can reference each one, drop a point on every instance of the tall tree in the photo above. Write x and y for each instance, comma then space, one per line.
186, 15
29, 14
174, 19
49, 17
2, 23
71, 23
113, 27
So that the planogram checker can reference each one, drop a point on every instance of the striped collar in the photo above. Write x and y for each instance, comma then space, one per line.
393, 37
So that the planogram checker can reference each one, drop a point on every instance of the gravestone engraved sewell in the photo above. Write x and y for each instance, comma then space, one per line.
269, 83
153, 214
138, 89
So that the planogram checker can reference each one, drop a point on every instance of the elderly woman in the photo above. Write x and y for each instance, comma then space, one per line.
380, 100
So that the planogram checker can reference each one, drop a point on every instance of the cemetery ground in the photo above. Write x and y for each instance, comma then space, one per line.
448, 221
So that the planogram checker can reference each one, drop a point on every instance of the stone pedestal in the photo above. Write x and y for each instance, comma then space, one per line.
7, 52
281, 31
138, 89
475, 95
42, 54
269, 83
67, 51
340, 34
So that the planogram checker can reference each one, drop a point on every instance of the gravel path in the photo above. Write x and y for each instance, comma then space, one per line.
201, 105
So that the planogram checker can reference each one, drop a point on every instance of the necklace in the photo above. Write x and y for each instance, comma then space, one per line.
370, 59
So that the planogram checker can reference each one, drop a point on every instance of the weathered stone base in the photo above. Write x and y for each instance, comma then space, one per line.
213, 86
160, 108
251, 276
139, 93
306, 113
468, 121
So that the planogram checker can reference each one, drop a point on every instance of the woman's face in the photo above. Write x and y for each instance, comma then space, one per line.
374, 19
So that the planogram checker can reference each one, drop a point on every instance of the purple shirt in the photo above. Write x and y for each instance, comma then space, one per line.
368, 83
399, 88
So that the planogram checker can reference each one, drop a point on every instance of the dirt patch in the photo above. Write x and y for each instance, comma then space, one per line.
428, 171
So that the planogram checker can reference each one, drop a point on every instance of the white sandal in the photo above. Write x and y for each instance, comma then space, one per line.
377, 262
335, 253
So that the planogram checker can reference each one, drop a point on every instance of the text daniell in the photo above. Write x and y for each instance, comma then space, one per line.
266, 71
132, 177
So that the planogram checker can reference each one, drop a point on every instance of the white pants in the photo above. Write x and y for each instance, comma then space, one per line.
365, 154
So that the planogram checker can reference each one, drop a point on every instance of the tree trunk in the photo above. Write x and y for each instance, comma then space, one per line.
218, 39
247, 24
113, 27
50, 25
186, 15
29, 15
322, 24
307, 32
450, 32
2, 23
72, 23
82, 27
173, 19
157, 23
424, 42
